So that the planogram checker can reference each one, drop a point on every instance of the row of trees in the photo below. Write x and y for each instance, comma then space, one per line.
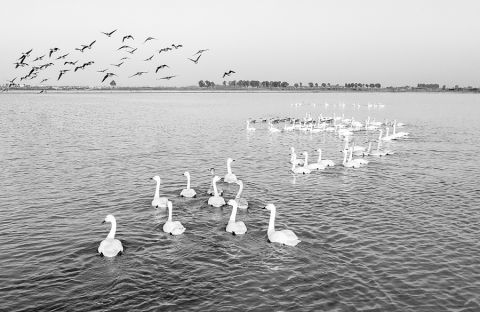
281, 84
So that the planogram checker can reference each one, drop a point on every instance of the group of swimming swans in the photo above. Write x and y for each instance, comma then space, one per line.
304, 166
110, 247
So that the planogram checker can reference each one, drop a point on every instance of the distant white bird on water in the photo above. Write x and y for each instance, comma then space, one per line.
216, 200
235, 227
286, 237
172, 227
249, 128
158, 202
230, 177
110, 246
188, 192
293, 158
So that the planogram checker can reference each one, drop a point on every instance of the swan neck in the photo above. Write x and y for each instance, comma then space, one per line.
229, 168
319, 156
157, 189
271, 223
351, 154
215, 191
169, 213
233, 214
188, 181
112, 230
239, 191
306, 160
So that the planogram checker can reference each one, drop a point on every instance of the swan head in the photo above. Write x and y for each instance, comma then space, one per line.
292, 150
109, 218
232, 202
216, 178
156, 178
305, 153
186, 173
169, 204
270, 207
229, 160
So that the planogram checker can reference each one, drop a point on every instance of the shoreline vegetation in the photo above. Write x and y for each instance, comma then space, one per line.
248, 87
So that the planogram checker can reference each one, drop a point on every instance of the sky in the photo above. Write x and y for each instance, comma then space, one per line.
390, 42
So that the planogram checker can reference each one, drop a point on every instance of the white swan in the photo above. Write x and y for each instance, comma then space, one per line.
188, 192
293, 158
158, 202
249, 128
398, 135
359, 161
216, 200
387, 137
272, 129
210, 189
286, 237
348, 163
230, 177
110, 246
325, 162
235, 227
172, 227
313, 166
241, 202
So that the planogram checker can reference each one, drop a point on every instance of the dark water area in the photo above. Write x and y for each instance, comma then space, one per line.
400, 234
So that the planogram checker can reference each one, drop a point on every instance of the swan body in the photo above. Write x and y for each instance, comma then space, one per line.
324, 162
359, 161
188, 192
293, 158
110, 246
249, 128
242, 203
158, 202
349, 163
314, 166
172, 227
216, 200
230, 177
235, 227
286, 237
210, 189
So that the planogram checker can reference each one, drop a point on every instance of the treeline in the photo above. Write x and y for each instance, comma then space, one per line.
285, 85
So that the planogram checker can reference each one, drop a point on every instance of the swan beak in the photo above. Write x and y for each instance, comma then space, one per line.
103, 221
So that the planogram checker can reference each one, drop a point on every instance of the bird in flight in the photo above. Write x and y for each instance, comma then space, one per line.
149, 38
125, 47
149, 59
200, 51
167, 77
44, 80
177, 46
108, 75
62, 72
127, 37
70, 63
118, 65
62, 56
102, 71
160, 67
195, 60
124, 58
109, 34
53, 50
228, 73
132, 51
39, 58
91, 44
138, 74
20, 64
82, 48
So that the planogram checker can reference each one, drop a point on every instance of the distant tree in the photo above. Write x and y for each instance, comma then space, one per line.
324, 85
377, 85
372, 85
295, 85
207, 83
201, 84
316, 84
444, 87
113, 84
284, 84
232, 83
301, 85
224, 83
310, 84
265, 84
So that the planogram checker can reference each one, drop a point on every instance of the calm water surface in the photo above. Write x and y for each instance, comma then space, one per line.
401, 234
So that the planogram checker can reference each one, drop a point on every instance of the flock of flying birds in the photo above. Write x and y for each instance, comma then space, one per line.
64, 60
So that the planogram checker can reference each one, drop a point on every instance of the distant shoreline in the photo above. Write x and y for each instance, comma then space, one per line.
238, 90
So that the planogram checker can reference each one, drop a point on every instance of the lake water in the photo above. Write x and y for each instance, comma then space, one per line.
400, 234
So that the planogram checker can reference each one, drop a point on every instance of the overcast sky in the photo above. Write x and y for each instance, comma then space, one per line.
391, 42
